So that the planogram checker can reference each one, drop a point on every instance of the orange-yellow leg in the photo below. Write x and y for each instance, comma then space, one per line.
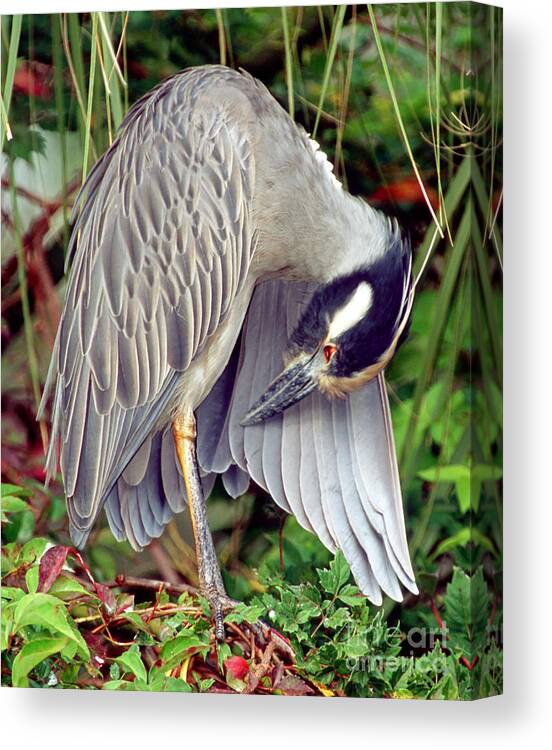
210, 579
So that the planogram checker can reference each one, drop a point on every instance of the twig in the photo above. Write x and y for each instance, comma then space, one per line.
151, 585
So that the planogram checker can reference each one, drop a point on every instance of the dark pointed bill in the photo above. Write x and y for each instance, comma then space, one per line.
293, 384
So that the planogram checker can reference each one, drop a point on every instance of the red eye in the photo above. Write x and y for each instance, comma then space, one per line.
329, 351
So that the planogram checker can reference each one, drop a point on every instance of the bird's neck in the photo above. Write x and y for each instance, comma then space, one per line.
310, 228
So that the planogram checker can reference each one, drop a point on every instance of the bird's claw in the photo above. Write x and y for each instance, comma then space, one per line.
221, 604
270, 635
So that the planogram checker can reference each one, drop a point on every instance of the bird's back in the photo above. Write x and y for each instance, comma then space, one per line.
160, 248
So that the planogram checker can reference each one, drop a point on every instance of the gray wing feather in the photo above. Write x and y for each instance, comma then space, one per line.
377, 464
236, 481
213, 446
272, 455
330, 463
346, 517
147, 493
112, 508
162, 241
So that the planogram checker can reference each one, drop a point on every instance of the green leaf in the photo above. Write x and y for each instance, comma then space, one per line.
174, 651
446, 688
116, 685
137, 621
334, 578
467, 480
12, 504
487, 472
245, 613
467, 607
223, 652
338, 618
32, 654
131, 661
33, 550
25, 143
31, 579
66, 587
465, 491
6, 620
160, 682
445, 473
11, 593
48, 612
351, 595
70, 651
7, 490
463, 537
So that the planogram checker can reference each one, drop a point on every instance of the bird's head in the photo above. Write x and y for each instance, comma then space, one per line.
347, 334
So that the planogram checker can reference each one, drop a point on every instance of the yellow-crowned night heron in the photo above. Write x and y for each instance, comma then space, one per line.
210, 241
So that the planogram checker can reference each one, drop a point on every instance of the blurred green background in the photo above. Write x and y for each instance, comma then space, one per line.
406, 102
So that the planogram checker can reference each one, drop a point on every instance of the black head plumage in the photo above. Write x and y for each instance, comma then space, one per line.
364, 343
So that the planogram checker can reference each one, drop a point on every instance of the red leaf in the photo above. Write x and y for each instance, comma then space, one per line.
32, 79
50, 566
406, 190
293, 685
106, 596
98, 647
237, 667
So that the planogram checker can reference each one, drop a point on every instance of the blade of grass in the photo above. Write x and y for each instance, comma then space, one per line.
438, 41
25, 305
487, 378
448, 381
336, 31
6, 130
485, 204
441, 311
228, 38
398, 115
72, 41
4, 34
344, 100
488, 297
106, 39
289, 63
454, 195
221, 36
299, 83
322, 23
92, 77
106, 99
108, 86
10, 74
57, 64
31, 96
125, 16
113, 100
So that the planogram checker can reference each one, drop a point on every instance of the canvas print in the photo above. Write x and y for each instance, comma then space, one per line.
251, 361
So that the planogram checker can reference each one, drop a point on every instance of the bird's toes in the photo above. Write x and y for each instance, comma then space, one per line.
265, 634
221, 604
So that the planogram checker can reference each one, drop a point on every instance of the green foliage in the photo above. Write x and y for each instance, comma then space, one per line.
83, 634
466, 612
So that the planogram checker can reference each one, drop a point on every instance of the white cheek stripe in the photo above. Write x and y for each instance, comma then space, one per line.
353, 311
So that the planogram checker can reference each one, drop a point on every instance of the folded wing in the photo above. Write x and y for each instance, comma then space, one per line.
330, 463
161, 246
